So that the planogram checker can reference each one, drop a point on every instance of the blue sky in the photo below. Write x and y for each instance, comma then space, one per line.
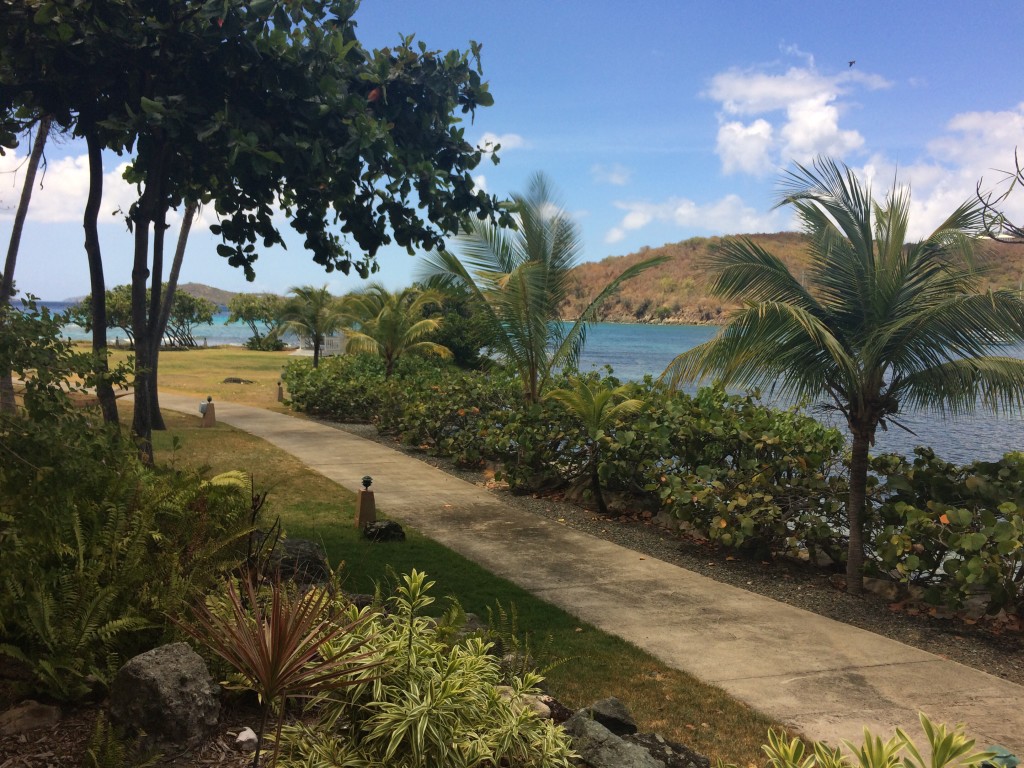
657, 121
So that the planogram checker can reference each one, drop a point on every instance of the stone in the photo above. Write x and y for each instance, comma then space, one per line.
301, 560
27, 716
167, 694
613, 715
600, 748
530, 701
671, 753
384, 530
247, 740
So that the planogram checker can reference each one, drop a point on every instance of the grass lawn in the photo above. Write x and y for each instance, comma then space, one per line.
201, 373
596, 665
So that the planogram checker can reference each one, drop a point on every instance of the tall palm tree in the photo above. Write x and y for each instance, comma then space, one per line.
520, 277
882, 325
312, 313
391, 325
597, 408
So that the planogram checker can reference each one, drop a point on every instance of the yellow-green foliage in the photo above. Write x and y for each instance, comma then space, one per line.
428, 704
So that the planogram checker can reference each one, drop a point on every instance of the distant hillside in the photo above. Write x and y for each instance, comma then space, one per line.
216, 295
676, 292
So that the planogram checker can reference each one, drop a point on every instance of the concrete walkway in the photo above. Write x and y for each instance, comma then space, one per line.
825, 678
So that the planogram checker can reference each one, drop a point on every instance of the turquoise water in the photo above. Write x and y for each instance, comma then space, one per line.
636, 350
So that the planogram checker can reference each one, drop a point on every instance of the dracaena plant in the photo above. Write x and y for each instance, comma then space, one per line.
277, 644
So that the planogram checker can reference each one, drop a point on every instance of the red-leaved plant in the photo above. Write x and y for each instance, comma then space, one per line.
277, 647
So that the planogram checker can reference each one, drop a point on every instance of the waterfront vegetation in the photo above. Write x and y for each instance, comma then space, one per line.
73, 622
765, 481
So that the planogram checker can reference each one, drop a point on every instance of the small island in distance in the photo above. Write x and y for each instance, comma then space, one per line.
676, 292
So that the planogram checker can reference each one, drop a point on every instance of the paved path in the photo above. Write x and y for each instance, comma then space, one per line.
823, 677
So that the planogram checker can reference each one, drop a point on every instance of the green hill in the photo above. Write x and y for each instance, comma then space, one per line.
676, 292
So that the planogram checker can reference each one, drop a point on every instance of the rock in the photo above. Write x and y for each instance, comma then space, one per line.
530, 701
168, 695
27, 716
384, 530
671, 753
886, 588
600, 748
613, 715
247, 740
301, 560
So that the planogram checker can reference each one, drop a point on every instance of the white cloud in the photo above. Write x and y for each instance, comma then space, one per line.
61, 189
727, 215
480, 182
746, 148
615, 174
797, 115
812, 129
507, 141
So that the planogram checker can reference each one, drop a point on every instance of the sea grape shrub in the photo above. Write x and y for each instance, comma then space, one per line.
754, 477
344, 388
538, 447
956, 531
446, 410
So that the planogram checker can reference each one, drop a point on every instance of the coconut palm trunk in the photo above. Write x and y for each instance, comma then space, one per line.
7, 404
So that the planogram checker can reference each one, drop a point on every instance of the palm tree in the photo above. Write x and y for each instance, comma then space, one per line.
391, 325
598, 411
520, 278
312, 313
881, 326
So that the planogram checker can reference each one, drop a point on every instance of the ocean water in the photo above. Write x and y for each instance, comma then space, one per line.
634, 351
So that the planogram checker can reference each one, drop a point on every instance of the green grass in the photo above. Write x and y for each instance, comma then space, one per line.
597, 665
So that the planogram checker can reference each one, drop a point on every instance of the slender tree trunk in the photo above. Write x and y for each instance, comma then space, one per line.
156, 309
7, 404
97, 284
855, 508
595, 485
142, 425
166, 300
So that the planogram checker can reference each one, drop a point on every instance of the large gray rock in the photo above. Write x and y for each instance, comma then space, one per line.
613, 715
167, 694
600, 748
671, 753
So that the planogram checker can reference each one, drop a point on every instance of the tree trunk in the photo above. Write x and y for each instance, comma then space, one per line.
97, 284
7, 404
855, 508
156, 310
595, 485
142, 424
167, 299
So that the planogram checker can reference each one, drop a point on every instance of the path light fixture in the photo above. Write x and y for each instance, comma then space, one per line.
366, 510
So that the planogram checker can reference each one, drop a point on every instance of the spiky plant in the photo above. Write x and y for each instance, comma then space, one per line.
277, 648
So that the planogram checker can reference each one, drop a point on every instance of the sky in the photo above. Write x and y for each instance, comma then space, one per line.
656, 120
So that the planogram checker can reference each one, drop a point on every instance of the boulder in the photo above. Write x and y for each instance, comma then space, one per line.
301, 560
600, 748
383, 530
613, 715
168, 695
670, 753
27, 716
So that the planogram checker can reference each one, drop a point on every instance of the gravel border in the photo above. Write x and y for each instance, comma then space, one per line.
977, 646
